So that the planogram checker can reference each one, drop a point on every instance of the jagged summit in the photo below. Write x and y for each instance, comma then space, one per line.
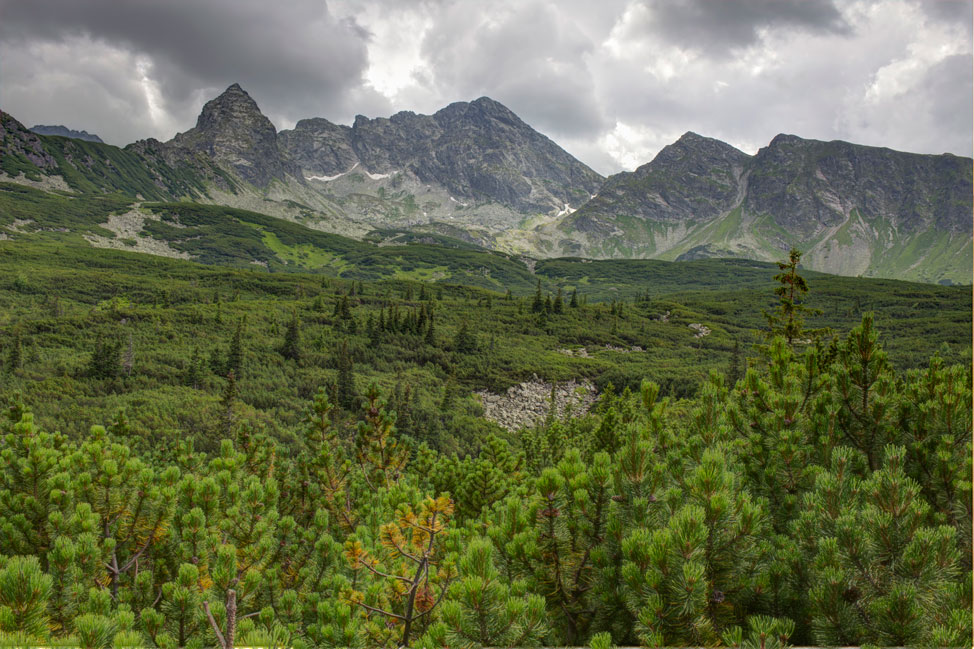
233, 104
477, 151
233, 131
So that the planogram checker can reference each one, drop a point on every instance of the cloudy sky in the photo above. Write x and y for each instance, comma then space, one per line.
612, 81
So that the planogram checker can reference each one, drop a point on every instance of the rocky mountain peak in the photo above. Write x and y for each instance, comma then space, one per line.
476, 150
232, 130
233, 105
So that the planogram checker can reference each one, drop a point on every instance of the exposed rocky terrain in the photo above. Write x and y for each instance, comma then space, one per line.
478, 151
530, 402
233, 132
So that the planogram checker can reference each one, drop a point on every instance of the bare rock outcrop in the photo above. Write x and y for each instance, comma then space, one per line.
528, 403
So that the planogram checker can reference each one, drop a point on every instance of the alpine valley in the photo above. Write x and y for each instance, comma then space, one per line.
475, 175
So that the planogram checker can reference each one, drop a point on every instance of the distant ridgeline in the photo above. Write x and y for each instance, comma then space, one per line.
474, 174
64, 131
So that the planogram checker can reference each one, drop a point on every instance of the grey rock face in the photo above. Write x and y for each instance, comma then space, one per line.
809, 185
694, 179
233, 132
64, 131
17, 141
479, 151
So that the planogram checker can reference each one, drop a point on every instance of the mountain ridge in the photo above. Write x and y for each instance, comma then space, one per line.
64, 131
475, 171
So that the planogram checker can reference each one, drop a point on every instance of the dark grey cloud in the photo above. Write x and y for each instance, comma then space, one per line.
296, 61
719, 26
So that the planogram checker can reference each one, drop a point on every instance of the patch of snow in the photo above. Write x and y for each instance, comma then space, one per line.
336, 176
461, 203
565, 210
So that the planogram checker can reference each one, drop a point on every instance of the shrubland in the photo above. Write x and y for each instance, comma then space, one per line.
198, 456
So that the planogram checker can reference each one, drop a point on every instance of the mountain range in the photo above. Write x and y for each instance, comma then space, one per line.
64, 131
474, 171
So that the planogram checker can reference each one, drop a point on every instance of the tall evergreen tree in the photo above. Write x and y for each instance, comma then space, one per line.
558, 306
15, 355
347, 395
538, 304
227, 402
291, 349
788, 319
235, 353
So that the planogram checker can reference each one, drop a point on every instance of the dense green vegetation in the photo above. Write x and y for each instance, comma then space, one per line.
822, 499
202, 455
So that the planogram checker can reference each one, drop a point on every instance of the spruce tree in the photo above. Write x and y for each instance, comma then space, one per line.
194, 370
227, 402
235, 353
788, 319
105, 362
538, 304
291, 349
465, 341
15, 355
347, 394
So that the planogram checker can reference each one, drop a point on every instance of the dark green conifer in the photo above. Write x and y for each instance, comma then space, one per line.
235, 353
227, 402
538, 303
347, 395
465, 341
15, 354
291, 349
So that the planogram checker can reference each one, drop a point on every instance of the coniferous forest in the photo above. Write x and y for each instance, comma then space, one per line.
201, 456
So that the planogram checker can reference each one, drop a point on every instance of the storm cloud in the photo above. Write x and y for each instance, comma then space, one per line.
612, 82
